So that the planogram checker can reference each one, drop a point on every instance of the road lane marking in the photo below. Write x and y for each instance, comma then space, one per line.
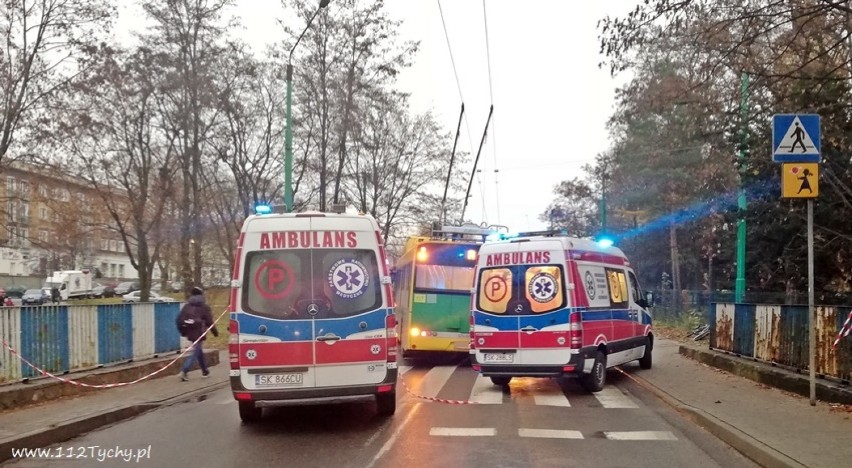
551, 397
550, 433
640, 435
485, 392
434, 381
463, 431
611, 397
394, 436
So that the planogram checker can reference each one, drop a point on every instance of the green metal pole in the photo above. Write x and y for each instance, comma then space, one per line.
288, 145
741, 199
603, 205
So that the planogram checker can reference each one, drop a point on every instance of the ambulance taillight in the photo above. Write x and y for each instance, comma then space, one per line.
233, 344
391, 343
575, 330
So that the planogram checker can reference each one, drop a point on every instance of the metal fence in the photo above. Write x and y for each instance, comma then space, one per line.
779, 334
66, 338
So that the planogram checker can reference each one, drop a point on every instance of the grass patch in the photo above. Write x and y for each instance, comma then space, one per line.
218, 299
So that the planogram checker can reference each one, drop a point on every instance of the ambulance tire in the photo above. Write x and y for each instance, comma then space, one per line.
595, 380
249, 413
646, 361
386, 403
501, 380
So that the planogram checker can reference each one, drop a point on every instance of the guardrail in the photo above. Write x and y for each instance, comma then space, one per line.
779, 334
67, 338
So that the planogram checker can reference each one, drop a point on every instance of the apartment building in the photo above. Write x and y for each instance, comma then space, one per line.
50, 221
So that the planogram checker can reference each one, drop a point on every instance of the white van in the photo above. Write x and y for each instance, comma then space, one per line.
311, 313
556, 307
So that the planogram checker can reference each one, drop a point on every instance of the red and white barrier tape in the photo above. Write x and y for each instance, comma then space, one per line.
112, 385
844, 330
437, 400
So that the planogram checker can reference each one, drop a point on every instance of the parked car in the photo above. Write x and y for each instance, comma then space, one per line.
126, 288
35, 297
103, 290
153, 297
15, 291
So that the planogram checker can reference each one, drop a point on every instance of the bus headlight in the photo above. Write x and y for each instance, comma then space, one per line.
415, 331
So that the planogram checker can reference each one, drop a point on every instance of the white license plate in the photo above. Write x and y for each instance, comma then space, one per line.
499, 357
266, 380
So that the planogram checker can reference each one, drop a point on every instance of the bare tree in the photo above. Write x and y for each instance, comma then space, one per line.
46, 45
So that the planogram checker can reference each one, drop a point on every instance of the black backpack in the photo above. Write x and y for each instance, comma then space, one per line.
189, 320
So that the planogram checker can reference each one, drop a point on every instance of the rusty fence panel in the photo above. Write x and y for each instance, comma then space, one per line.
723, 326
767, 332
843, 352
744, 329
793, 345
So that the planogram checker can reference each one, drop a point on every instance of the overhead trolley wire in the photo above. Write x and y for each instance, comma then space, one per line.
458, 85
494, 120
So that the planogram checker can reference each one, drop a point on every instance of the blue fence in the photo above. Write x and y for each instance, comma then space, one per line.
64, 338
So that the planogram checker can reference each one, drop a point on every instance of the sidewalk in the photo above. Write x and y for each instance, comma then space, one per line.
770, 426
57, 420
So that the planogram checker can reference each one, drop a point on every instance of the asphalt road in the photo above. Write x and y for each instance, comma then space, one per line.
533, 422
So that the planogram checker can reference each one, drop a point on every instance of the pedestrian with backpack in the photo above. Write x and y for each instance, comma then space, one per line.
192, 322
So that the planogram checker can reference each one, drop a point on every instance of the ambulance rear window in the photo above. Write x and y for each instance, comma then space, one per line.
521, 289
311, 283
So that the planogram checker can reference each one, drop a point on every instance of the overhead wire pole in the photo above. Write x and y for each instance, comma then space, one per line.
739, 289
450, 171
493, 125
476, 161
456, 75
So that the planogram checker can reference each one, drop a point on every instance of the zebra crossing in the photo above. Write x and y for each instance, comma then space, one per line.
544, 393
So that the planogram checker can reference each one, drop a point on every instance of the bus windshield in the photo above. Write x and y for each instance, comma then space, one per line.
445, 267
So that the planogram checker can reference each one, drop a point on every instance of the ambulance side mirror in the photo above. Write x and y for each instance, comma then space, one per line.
642, 303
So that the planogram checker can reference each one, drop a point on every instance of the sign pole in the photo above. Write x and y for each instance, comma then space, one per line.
811, 321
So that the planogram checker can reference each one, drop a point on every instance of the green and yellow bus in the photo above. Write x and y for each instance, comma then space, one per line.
433, 280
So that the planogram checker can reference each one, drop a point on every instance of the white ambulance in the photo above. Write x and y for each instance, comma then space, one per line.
546, 306
311, 313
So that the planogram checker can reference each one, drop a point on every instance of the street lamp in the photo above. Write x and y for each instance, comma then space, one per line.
288, 134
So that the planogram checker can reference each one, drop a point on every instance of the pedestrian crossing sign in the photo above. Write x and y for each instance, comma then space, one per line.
799, 180
795, 138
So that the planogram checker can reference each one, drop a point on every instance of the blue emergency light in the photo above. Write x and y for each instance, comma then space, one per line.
262, 209
605, 242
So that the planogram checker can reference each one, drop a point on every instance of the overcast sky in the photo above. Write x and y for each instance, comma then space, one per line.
551, 101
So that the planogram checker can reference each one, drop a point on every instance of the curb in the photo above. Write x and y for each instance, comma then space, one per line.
747, 445
63, 432
768, 375
21, 395
76, 427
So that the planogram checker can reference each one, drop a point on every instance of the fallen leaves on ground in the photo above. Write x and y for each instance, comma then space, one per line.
838, 408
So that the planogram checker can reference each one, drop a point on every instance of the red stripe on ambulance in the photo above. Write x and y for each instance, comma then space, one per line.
277, 353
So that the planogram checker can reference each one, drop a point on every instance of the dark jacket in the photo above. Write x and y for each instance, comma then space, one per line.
194, 318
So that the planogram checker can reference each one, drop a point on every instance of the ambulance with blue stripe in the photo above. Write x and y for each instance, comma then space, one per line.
311, 313
555, 306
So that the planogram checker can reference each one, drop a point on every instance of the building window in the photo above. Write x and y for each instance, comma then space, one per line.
25, 188
43, 212
112, 245
25, 211
104, 246
42, 191
13, 212
112, 269
10, 186
43, 236
24, 235
64, 195
121, 270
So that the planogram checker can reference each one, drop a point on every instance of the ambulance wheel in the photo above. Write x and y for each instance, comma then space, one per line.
250, 413
594, 381
386, 403
501, 380
645, 362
